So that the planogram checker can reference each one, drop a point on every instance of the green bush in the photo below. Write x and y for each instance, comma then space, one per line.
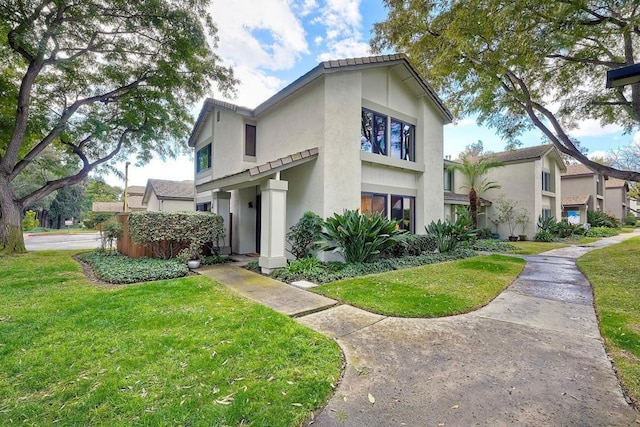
213, 260
111, 231
411, 245
122, 269
332, 271
601, 232
93, 219
303, 265
359, 237
29, 222
544, 236
546, 224
601, 219
179, 229
483, 233
303, 237
490, 245
630, 219
564, 229
442, 233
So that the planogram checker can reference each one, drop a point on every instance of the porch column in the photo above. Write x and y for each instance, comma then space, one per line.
273, 225
221, 205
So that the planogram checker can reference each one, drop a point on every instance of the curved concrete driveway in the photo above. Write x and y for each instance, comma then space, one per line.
533, 356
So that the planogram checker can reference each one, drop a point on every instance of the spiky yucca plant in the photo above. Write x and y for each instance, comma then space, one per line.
359, 237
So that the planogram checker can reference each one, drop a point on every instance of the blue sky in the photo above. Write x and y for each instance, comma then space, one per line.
270, 43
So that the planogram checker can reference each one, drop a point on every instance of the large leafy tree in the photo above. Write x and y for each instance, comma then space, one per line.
524, 64
97, 80
475, 172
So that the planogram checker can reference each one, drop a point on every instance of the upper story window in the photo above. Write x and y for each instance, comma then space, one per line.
386, 136
203, 158
448, 180
249, 140
546, 181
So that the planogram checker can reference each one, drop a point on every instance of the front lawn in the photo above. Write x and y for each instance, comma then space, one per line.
175, 352
613, 273
430, 291
532, 247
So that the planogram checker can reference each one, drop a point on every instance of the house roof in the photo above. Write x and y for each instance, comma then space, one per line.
169, 190
527, 153
577, 170
135, 203
580, 200
135, 190
256, 173
408, 73
107, 206
616, 183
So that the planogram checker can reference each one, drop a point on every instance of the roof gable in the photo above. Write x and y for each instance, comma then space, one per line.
528, 153
169, 190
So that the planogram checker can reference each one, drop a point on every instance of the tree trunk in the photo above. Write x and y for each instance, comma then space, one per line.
11, 239
473, 207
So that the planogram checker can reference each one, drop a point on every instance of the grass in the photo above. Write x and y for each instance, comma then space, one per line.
435, 290
613, 273
532, 247
175, 352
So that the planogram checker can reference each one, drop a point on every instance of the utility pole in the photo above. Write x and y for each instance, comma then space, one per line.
126, 184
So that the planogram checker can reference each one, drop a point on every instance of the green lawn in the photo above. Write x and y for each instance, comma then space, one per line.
614, 273
433, 290
532, 248
175, 352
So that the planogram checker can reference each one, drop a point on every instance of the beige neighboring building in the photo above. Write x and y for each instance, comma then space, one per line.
359, 133
582, 190
531, 178
617, 194
168, 196
134, 202
453, 199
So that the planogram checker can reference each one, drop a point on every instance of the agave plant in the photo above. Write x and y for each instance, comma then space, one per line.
359, 237
443, 233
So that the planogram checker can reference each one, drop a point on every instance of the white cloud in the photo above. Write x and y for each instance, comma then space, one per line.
598, 154
269, 37
467, 121
592, 127
307, 7
255, 87
342, 21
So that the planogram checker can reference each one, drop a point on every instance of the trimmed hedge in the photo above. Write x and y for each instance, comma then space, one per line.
122, 269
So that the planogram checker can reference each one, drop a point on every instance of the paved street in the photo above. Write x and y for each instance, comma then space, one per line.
61, 241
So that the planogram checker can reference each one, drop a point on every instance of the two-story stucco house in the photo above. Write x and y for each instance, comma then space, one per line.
530, 177
617, 196
582, 190
361, 133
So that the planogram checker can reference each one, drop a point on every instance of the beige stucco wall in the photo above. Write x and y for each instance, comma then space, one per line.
582, 185
155, 205
616, 202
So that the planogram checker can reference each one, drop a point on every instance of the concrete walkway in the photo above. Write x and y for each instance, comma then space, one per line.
533, 356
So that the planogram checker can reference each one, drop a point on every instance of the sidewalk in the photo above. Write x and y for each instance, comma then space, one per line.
533, 356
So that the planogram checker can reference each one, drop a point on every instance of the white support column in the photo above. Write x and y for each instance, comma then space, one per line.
221, 205
273, 223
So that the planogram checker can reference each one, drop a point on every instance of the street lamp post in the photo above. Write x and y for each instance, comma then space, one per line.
126, 184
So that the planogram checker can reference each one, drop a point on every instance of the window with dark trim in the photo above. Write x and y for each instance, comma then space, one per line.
373, 132
203, 207
546, 181
546, 213
203, 158
402, 210
402, 140
448, 180
249, 140
371, 202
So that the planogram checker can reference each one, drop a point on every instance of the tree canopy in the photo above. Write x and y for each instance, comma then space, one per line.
524, 64
97, 81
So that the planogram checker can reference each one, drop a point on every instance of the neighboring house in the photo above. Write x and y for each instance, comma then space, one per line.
617, 194
530, 177
168, 196
453, 199
134, 202
582, 190
361, 133
634, 207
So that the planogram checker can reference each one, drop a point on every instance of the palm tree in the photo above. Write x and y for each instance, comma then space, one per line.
474, 171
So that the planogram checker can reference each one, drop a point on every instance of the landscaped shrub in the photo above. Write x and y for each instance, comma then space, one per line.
29, 222
489, 245
94, 219
544, 236
546, 224
213, 259
442, 232
303, 265
630, 219
601, 219
359, 237
179, 229
332, 271
122, 269
303, 237
601, 232
564, 229
411, 245
483, 233
110, 232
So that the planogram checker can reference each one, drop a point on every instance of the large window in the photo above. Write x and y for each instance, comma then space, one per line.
203, 158
402, 140
402, 208
203, 207
546, 213
249, 140
546, 182
370, 202
373, 132
448, 180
